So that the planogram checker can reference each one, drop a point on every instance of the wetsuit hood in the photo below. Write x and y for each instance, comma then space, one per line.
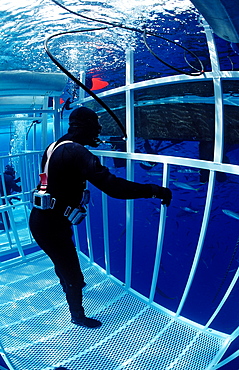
84, 126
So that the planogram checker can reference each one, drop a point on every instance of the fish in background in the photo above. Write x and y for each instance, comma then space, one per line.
231, 213
195, 183
189, 210
149, 150
155, 173
188, 170
184, 185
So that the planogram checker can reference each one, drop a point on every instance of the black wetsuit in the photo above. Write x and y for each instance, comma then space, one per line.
71, 164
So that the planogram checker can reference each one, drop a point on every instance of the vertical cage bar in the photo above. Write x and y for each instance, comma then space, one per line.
224, 298
218, 96
56, 118
89, 237
129, 167
235, 333
44, 124
106, 232
26, 177
105, 221
129, 101
6, 359
76, 237
31, 170
2, 205
15, 233
81, 91
219, 131
10, 212
200, 241
24, 174
212, 49
34, 136
217, 158
160, 239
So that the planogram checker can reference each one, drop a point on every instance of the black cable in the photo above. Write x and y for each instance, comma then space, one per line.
29, 129
198, 73
190, 65
84, 16
78, 82
113, 24
144, 33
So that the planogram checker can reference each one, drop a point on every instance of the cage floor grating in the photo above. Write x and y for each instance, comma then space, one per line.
36, 332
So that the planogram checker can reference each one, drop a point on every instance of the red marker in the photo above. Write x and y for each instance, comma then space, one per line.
98, 83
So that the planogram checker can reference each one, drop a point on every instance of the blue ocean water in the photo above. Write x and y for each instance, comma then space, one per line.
101, 54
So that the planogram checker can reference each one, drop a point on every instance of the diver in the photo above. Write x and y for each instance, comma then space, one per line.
11, 186
10, 180
69, 167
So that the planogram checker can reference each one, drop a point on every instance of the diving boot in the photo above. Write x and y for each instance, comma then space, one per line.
86, 322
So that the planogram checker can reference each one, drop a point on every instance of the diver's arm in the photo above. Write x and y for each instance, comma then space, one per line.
11, 184
120, 188
15, 187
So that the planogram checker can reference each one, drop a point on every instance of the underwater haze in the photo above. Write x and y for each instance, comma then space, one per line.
186, 123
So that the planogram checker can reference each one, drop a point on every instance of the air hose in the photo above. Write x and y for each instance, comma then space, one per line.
78, 82
198, 71
144, 33
120, 25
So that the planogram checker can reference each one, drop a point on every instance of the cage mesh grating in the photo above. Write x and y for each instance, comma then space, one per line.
36, 332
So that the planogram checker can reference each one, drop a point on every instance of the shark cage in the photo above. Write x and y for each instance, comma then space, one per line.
163, 281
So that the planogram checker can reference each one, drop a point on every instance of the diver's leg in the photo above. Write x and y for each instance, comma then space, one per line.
62, 281
55, 238
68, 267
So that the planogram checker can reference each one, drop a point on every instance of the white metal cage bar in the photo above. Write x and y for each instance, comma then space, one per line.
124, 314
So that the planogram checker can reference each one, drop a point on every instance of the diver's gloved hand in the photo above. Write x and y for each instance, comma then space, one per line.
163, 193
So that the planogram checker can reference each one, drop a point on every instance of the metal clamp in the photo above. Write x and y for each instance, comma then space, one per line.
53, 202
67, 211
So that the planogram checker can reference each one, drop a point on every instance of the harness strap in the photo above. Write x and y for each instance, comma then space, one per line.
44, 175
